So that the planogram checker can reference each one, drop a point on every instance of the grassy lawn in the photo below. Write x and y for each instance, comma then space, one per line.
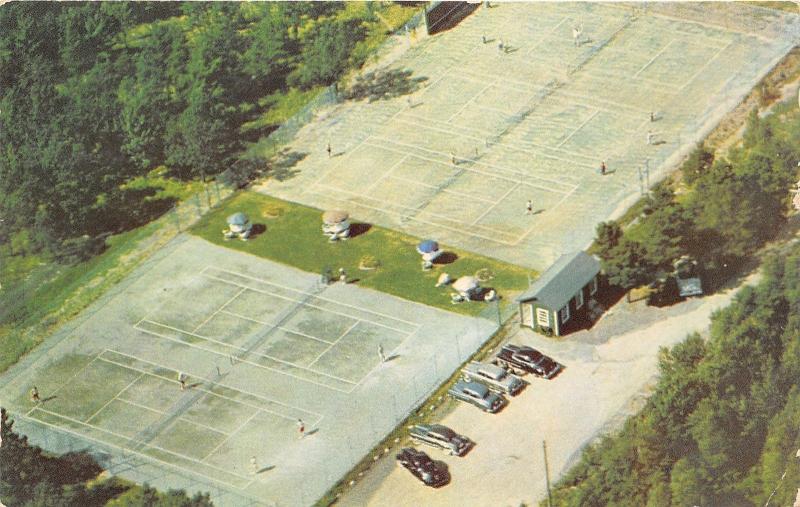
50, 294
293, 236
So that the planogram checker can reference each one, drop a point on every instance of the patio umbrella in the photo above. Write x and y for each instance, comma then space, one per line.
465, 284
238, 219
334, 216
427, 246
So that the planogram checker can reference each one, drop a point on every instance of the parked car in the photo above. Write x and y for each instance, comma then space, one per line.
431, 473
477, 394
527, 359
494, 377
440, 436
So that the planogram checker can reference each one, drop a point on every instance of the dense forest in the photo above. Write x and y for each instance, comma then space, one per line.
721, 212
94, 95
721, 427
31, 477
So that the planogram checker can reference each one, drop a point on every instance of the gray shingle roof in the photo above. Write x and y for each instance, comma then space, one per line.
562, 280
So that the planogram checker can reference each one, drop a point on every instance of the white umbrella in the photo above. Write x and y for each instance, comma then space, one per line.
465, 284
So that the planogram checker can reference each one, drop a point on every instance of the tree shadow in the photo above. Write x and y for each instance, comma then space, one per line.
359, 228
446, 258
384, 84
282, 165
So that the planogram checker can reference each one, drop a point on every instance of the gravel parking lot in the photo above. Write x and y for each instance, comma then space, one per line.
604, 380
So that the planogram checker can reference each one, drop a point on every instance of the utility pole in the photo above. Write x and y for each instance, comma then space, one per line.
547, 474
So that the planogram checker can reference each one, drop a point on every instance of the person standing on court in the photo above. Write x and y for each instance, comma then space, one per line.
381, 354
182, 380
603, 168
529, 207
329, 150
35, 395
301, 429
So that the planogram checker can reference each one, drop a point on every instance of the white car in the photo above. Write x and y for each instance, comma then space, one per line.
494, 377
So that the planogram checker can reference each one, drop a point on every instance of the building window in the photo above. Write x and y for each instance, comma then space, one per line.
543, 317
579, 299
564, 313
593, 286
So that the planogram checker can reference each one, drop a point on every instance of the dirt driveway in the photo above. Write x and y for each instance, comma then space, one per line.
604, 381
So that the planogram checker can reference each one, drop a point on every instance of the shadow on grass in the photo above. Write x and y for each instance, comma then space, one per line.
257, 230
446, 258
358, 229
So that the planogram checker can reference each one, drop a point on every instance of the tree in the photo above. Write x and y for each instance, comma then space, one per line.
608, 236
325, 57
627, 265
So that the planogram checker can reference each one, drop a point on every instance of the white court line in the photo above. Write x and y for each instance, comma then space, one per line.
114, 398
235, 431
540, 151
161, 412
668, 44
360, 309
218, 310
614, 107
549, 33
427, 222
257, 365
391, 353
583, 124
482, 163
417, 209
490, 208
325, 172
119, 435
443, 190
386, 174
69, 380
140, 454
257, 396
218, 342
298, 333
334, 343
467, 103
262, 291
703, 68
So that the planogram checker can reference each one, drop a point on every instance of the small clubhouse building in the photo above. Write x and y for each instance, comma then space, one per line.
562, 292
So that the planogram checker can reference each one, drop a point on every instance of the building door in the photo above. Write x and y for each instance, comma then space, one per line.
527, 315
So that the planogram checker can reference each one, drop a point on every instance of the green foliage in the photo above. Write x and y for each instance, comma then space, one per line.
93, 95
326, 55
721, 425
730, 209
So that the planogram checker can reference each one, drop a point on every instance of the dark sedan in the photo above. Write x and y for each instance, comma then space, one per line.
527, 359
431, 473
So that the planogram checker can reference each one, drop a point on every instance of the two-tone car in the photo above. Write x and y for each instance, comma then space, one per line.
429, 472
495, 377
478, 395
439, 436
521, 358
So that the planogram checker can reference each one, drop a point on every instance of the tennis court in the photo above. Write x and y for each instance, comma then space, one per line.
493, 128
263, 347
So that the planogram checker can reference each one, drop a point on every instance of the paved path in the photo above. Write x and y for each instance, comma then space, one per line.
606, 378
